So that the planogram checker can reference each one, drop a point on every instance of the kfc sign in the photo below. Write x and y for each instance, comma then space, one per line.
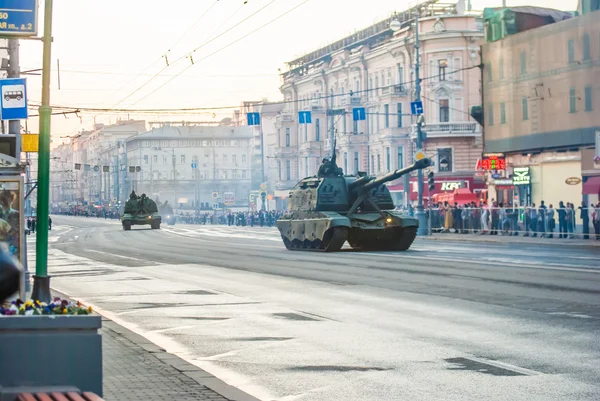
451, 185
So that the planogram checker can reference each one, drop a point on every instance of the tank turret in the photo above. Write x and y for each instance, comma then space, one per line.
329, 209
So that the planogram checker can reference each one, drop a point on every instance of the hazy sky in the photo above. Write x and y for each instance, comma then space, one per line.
109, 49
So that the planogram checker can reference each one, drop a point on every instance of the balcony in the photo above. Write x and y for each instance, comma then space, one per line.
448, 130
348, 100
285, 151
284, 118
351, 139
392, 133
311, 145
317, 106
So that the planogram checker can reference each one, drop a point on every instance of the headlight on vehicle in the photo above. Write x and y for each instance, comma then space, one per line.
388, 220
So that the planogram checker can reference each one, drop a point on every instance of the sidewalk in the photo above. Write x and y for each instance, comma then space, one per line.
136, 369
506, 239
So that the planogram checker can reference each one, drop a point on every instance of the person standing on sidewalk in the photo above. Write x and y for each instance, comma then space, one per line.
596, 221
570, 216
550, 223
562, 220
585, 218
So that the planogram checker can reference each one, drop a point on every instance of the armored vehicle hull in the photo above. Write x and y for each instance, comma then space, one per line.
152, 220
329, 210
140, 211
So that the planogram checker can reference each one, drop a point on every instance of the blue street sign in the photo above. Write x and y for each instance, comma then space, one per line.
416, 108
253, 119
359, 114
18, 17
14, 98
194, 165
304, 117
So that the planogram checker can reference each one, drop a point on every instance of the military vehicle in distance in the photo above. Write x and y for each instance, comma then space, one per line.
327, 210
139, 211
166, 212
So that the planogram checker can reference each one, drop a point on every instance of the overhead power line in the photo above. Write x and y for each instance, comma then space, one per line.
216, 108
223, 48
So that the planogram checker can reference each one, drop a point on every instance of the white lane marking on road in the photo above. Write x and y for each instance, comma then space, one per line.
116, 256
570, 268
507, 366
572, 314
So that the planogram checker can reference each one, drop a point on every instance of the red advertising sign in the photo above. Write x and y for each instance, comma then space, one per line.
493, 162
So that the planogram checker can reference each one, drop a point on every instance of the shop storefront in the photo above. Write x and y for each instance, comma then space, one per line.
476, 185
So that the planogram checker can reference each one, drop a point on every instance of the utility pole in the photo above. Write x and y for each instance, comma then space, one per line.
41, 280
422, 230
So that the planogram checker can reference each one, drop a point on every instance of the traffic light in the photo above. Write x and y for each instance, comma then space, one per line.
430, 181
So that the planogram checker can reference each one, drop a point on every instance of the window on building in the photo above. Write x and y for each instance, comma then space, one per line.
572, 101
444, 159
234, 174
502, 113
234, 158
378, 162
488, 67
155, 159
355, 127
346, 162
306, 166
571, 50
355, 162
278, 170
287, 137
399, 114
318, 130
388, 159
386, 111
372, 166
444, 110
182, 159
400, 74
225, 174
243, 158
588, 98
490, 113
501, 68
305, 132
442, 67
377, 88
224, 158
145, 159
525, 108
523, 62
586, 47
288, 170
400, 157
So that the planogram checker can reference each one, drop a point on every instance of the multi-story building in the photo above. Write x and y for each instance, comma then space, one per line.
541, 97
186, 163
374, 69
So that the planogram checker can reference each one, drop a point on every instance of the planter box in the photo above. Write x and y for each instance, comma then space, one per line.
50, 352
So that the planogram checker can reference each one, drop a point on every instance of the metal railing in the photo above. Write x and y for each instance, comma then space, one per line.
546, 223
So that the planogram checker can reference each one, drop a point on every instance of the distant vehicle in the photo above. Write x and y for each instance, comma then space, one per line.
18, 95
167, 211
139, 211
327, 210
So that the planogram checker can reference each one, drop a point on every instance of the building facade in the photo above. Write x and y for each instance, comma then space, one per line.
541, 109
185, 164
374, 69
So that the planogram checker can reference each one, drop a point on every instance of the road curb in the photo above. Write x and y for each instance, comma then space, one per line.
198, 375
542, 242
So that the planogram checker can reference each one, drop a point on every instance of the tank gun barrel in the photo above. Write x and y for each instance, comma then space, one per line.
393, 175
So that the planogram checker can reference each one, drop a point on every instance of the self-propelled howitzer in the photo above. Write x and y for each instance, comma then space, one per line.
327, 210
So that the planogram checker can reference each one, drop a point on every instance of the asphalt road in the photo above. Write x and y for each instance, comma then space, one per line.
443, 321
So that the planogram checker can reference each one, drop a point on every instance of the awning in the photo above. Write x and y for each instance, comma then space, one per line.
591, 185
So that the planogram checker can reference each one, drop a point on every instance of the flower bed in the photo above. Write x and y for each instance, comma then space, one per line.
37, 338
34, 308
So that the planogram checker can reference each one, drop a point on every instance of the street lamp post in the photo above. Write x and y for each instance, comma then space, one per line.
41, 280
420, 213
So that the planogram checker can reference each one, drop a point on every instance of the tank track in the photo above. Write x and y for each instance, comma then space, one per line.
399, 240
333, 240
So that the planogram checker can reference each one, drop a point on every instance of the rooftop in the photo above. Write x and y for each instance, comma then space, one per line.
195, 132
